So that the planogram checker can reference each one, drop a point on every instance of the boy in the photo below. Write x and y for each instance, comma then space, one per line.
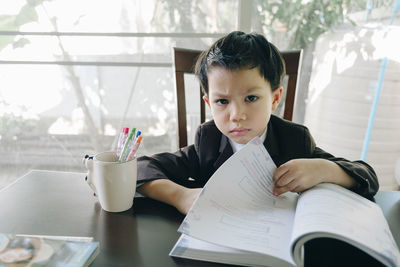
241, 76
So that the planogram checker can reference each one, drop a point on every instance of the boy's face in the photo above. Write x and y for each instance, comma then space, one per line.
241, 102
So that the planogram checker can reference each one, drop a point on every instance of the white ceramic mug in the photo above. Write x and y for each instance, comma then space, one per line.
113, 182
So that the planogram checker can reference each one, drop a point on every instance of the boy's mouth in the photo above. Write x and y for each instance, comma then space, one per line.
240, 131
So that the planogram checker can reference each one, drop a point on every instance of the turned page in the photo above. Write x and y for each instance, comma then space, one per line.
237, 208
331, 210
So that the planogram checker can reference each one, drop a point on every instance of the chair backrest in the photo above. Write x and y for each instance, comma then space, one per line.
184, 62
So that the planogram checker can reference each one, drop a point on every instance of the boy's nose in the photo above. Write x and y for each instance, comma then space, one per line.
237, 113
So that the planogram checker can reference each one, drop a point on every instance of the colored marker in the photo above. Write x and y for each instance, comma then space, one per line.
130, 146
137, 135
121, 140
135, 148
126, 145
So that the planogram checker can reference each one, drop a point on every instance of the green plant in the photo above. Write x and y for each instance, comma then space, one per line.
305, 20
26, 15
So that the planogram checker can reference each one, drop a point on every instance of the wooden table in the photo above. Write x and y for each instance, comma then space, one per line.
62, 204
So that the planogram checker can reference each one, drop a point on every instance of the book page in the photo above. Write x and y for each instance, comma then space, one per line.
334, 210
191, 248
237, 208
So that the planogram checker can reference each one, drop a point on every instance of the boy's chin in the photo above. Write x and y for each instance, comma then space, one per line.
241, 140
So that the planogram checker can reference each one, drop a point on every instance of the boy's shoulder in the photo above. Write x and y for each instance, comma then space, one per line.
285, 125
208, 125
287, 132
208, 129
288, 139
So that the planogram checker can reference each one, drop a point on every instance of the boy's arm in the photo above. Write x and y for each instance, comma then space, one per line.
176, 178
165, 177
300, 174
171, 193
314, 166
181, 167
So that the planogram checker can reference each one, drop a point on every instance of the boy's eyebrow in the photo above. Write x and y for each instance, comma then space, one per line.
252, 89
249, 91
219, 94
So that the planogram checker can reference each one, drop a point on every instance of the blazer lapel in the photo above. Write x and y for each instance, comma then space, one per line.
225, 152
271, 143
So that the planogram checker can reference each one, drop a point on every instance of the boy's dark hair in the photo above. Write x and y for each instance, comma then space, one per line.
239, 50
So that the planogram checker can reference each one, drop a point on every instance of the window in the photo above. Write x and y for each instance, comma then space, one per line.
73, 73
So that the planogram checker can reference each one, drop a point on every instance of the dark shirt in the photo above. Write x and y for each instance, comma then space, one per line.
193, 165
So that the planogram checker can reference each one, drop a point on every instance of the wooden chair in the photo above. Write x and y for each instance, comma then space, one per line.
184, 62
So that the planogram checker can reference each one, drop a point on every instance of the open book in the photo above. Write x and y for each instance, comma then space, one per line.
238, 220
36, 251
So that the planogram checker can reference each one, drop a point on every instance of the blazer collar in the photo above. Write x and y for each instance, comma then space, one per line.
225, 151
271, 140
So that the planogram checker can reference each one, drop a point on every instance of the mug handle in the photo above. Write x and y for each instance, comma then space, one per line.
88, 162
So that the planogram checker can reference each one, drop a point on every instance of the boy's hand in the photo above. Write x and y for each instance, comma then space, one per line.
300, 174
171, 193
186, 198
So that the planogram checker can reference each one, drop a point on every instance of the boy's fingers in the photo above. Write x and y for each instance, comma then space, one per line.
285, 179
279, 172
280, 190
288, 187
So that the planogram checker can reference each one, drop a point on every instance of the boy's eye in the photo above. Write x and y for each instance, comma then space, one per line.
222, 101
251, 98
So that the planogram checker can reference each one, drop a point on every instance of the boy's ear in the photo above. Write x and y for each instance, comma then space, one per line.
205, 98
276, 97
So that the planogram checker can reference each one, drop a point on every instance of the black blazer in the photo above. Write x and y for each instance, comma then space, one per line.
193, 165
